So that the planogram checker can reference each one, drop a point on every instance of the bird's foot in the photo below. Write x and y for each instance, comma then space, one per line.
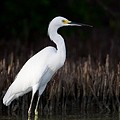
29, 118
36, 115
29, 115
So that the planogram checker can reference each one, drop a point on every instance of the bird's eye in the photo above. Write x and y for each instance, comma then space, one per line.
65, 21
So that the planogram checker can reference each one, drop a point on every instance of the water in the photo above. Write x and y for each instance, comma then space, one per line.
67, 117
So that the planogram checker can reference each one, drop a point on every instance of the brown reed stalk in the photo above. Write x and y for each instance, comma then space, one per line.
84, 84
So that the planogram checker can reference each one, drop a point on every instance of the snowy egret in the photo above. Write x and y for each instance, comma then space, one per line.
38, 70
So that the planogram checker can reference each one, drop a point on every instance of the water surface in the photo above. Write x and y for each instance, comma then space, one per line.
67, 117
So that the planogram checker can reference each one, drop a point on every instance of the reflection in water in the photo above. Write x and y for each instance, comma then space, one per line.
66, 117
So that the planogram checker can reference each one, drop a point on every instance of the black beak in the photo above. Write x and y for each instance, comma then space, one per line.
80, 24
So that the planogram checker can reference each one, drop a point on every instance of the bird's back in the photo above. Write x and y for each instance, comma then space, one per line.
29, 75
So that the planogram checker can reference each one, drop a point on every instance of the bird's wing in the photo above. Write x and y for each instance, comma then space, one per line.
30, 74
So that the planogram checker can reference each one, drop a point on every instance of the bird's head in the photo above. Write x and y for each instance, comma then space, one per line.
61, 21
58, 22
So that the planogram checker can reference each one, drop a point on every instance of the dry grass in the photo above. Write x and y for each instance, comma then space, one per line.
84, 84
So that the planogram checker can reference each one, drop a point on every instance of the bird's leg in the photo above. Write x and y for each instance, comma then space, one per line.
35, 87
29, 110
36, 108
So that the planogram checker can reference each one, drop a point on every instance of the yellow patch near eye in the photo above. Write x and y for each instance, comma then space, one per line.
65, 21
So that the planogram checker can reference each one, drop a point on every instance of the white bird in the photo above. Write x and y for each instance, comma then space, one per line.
38, 70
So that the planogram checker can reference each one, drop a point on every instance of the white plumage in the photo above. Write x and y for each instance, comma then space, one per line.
38, 70
31, 75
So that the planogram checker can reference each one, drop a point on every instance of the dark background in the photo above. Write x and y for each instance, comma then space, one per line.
23, 32
24, 27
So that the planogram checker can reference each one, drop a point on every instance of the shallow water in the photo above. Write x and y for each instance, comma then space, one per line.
67, 117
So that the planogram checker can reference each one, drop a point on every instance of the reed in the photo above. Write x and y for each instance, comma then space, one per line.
84, 85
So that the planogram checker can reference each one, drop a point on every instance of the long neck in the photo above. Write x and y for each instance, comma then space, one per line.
59, 41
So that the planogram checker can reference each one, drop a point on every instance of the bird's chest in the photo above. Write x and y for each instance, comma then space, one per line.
56, 63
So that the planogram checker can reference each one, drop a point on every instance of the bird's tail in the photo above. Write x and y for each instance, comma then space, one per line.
8, 98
